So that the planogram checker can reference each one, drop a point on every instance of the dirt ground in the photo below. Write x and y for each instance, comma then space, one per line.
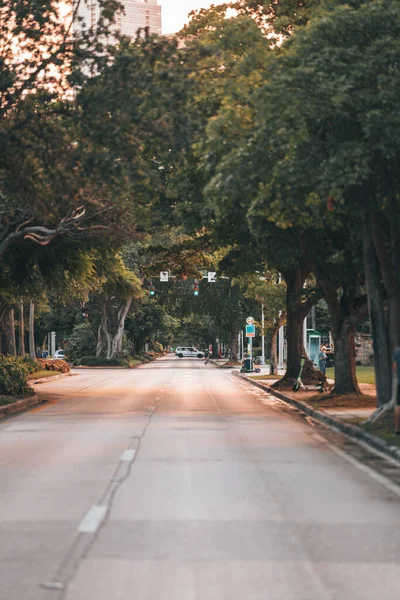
367, 399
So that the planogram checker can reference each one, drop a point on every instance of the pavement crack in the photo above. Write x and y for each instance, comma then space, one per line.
84, 541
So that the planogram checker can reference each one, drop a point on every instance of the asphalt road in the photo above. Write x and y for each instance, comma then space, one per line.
177, 481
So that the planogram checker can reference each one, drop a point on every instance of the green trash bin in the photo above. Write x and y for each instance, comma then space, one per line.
248, 364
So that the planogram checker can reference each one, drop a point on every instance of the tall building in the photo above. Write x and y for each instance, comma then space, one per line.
137, 14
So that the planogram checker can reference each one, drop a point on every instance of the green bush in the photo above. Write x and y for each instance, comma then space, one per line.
159, 348
101, 361
31, 364
13, 374
81, 342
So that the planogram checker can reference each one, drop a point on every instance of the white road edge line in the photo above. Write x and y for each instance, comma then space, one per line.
91, 521
389, 485
127, 456
392, 487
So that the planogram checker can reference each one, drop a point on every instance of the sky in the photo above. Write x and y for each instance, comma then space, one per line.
174, 12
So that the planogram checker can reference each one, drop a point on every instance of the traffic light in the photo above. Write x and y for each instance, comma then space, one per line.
196, 288
152, 289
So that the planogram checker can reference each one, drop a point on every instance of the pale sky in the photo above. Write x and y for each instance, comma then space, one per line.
174, 12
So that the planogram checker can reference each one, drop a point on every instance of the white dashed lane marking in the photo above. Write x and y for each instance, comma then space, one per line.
127, 456
93, 518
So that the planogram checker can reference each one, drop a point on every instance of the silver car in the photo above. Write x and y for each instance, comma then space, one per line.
188, 352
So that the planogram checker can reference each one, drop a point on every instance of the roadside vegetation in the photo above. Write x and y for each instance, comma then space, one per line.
260, 143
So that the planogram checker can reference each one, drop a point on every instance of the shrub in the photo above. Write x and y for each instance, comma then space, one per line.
31, 364
13, 374
81, 342
158, 348
101, 361
52, 365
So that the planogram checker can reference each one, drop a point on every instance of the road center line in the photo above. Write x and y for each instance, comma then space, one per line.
127, 456
90, 523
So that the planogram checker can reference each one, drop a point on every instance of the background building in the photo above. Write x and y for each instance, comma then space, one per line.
137, 14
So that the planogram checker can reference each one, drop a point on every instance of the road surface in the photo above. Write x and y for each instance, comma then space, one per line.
178, 481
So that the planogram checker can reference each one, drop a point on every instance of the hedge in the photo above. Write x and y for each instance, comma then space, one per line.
52, 364
13, 374
101, 361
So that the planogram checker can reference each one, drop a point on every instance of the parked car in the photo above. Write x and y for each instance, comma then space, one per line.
188, 351
59, 354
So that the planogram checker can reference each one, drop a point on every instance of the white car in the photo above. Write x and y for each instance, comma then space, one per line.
188, 351
59, 354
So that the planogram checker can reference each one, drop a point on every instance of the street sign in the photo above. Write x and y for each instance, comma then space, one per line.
212, 277
164, 275
250, 320
250, 331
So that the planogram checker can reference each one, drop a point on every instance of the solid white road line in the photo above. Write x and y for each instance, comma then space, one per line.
90, 523
127, 456
387, 483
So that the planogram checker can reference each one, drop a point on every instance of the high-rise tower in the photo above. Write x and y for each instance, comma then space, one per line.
137, 14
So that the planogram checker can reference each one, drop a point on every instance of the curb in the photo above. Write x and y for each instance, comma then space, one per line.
18, 406
220, 366
351, 431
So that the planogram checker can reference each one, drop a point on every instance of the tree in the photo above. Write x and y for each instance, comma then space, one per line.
115, 299
40, 159
338, 145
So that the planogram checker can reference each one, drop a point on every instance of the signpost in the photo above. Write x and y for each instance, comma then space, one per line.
164, 275
212, 277
250, 333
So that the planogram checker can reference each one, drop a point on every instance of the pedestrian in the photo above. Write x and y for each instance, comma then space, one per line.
207, 356
396, 371
322, 358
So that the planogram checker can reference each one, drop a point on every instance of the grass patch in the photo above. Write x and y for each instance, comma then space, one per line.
364, 374
134, 362
41, 374
384, 428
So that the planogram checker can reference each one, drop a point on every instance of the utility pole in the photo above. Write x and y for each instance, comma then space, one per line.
263, 336
280, 338
305, 336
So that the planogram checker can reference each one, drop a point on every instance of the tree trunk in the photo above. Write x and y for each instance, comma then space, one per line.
9, 332
273, 359
111, 329
32, 349
345, 360
21, 330
296, 311
376, 304
234, 347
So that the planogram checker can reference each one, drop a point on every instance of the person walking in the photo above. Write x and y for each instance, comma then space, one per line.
322, 358
396, 371
207, 356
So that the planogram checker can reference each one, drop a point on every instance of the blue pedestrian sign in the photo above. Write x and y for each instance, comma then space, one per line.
250, 331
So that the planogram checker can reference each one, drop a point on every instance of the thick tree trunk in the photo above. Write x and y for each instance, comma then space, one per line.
345, 360
380, 337
234, 347
296, 311
111, 329
273, 359
9, 332
32, 348
21, 330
